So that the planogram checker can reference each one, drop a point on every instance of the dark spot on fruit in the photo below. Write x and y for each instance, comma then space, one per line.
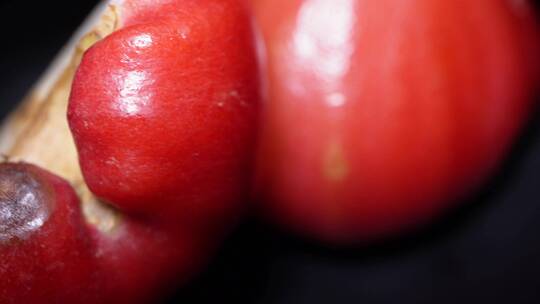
24, 203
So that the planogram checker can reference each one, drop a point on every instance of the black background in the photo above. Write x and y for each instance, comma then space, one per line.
486, 252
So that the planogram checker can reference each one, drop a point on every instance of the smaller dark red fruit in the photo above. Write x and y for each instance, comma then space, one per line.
46, 254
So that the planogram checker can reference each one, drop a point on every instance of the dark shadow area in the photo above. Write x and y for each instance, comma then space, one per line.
32, 34
258, 257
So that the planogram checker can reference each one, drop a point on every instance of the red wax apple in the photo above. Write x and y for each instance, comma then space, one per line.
163, 113
50, 255
380, 115
46, 252
138, 262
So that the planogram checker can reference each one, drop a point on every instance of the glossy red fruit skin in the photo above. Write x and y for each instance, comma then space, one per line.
48, 254
51, 262
163, 113
141, 263
380, 115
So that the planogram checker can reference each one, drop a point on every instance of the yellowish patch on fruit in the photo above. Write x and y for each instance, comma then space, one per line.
335, 165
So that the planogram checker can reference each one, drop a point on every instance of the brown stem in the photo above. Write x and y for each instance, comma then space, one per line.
132, 262
37, 131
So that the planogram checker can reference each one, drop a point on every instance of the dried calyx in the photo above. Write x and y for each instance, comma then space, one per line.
37, 132
176, 212
25, 202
